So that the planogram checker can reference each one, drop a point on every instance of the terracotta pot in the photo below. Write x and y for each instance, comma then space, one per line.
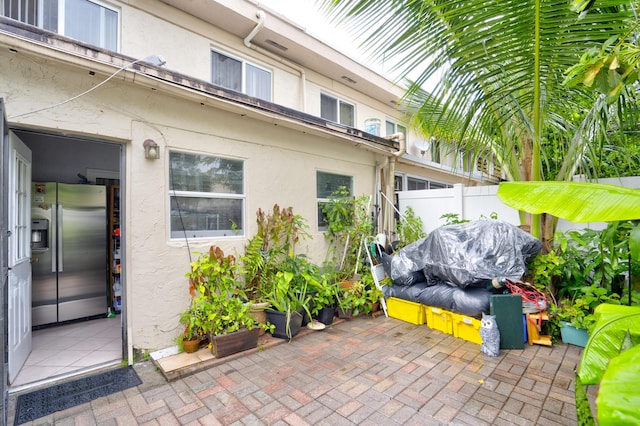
191, 346
259, 314
231, 343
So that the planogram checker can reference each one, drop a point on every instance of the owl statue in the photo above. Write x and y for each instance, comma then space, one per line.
490, 335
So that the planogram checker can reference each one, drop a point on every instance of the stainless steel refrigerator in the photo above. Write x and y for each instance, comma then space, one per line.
68, 252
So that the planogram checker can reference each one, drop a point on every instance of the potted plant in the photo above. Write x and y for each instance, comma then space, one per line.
278, 233
325, 298
219, 296
194, 322
348, 226
576, 314
286, 307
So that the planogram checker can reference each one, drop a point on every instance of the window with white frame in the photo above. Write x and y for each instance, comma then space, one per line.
392, 127
241, 76
337, 110
90, 21
207, 196
326, 185
403, 182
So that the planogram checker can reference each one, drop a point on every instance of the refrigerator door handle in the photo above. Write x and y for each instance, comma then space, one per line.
60, 232
53, 229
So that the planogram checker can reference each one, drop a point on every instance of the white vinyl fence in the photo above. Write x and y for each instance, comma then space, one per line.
475, 202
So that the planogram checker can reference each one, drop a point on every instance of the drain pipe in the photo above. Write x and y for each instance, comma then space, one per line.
303, 76
389, 190
256, 30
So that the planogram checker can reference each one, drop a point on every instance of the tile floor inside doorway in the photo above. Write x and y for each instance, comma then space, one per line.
64, 349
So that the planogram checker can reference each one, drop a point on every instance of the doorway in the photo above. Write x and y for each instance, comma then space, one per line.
63, 347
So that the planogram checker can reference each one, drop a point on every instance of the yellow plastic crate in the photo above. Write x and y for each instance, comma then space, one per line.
439, 319
406, 310
466, 328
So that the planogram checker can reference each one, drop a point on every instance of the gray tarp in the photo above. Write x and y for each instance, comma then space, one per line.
468, 254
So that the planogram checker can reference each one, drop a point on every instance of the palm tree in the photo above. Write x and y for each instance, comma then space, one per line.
500, 68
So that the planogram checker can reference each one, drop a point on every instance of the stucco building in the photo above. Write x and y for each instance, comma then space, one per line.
192, 114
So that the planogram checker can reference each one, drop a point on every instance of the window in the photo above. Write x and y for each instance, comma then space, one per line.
412, 183
415, 184
392, 127
327, 184
240, 76
337, 110
88, 21
207, 196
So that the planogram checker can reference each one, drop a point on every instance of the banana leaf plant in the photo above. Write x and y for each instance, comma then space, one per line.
591, 202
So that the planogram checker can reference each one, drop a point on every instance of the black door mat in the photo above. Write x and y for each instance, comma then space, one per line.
43, 402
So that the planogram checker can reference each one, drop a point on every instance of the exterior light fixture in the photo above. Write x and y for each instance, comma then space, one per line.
151, 150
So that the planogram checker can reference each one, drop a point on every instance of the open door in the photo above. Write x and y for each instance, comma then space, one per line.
19, 255
4, 235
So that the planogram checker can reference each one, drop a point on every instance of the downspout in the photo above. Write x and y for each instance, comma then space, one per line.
391, 176
303, 76
256, 30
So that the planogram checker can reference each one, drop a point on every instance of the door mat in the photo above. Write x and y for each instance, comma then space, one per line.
43, 402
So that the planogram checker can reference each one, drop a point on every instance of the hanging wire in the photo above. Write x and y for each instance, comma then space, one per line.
154, 59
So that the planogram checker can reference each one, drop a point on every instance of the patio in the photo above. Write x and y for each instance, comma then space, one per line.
362, 371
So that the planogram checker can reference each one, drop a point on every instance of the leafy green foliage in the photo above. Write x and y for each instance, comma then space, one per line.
348, 225
453, 219
595, 257
219, 304
410, 228
578, 310
498, 73
545, 270
271, 249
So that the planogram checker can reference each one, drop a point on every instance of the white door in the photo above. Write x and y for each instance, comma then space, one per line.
19, 288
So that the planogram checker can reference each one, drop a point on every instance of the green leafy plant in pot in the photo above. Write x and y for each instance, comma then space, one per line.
194, 321
220, 297
348, 224
590, 202
325, 297
288, 303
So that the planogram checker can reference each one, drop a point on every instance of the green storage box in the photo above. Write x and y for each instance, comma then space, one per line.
508, 311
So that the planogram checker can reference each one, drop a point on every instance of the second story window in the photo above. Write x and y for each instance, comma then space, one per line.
88, 21
392, 127
337, 110
241, 76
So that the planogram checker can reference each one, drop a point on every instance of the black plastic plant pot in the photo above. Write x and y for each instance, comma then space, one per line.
326, 315
279, 320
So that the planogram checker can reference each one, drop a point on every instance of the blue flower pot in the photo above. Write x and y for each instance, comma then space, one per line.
572, 335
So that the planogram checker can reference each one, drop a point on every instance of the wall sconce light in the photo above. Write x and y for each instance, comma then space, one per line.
151, 150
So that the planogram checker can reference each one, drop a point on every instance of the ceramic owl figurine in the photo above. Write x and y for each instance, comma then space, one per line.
490, 335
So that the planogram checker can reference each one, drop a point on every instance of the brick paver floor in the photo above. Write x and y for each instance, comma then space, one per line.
367, 371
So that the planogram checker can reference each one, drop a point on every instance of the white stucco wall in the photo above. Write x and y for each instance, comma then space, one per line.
280, 167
